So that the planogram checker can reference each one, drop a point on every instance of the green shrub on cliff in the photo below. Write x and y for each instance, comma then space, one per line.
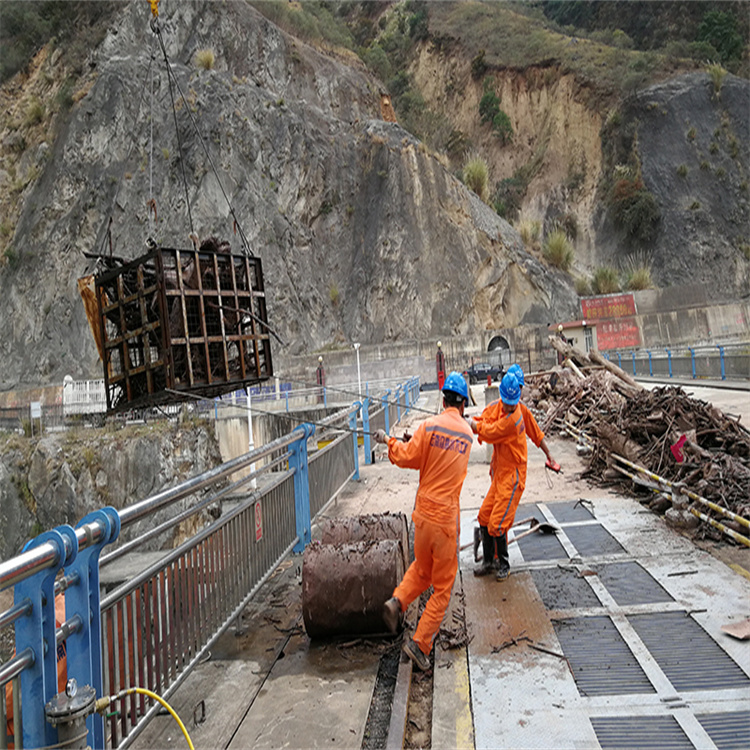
557, 250
635, 209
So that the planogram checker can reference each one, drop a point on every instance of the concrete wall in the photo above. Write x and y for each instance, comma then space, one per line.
233, 434
399, 359
718, 324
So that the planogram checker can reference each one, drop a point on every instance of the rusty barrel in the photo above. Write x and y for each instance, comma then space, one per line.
345, 585
368, 528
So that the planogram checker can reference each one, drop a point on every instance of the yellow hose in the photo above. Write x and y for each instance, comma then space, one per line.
102, 703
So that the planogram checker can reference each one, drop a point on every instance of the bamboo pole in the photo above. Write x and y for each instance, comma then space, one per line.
702, 500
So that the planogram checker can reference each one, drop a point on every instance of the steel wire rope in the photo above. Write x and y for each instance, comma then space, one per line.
252, 409
170, 77
130, 151
238, 226
354, 393
151, 218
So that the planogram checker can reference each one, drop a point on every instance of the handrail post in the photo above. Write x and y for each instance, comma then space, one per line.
387, 408
634, 372
692, 357
84, 646
366, 430
398, 403
619, 360
721, 358
353, 427
298, 462
36, 631
650, 365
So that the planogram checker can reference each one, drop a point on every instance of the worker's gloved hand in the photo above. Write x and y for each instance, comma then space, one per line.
552, 464
381, 437
472, 424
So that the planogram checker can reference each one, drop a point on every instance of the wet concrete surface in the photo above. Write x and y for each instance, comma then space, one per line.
513, 685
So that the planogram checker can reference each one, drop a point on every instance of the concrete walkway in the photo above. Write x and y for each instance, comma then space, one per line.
606, 635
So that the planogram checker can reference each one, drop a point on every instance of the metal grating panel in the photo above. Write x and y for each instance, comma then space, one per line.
643, 732
530, 511
601, 662
570, 512
593, 540
542, 547
729, 731
564, 589
689, 657
629, 583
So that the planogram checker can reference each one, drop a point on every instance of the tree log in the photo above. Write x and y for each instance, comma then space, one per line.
613, 368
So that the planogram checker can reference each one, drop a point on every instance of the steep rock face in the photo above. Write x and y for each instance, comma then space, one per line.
694, 150
691, 145
60, 478
556, 133
363, 234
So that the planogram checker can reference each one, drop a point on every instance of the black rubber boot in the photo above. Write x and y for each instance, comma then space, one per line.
488, 554
503, 568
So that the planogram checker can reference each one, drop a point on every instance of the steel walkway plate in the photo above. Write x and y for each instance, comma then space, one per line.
564, 589
689, 657
729, 731
601, 661
593, 540
642, 732
541, 634
629, 583
567, 512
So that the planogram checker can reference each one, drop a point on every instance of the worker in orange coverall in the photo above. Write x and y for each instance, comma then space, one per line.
505, 424
439, 450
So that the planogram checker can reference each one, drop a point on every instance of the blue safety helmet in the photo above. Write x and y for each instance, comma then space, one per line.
516, 370
510, 391
455, 383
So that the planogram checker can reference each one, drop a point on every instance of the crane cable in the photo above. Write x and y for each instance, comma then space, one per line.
170, 77
126, 160
173, 78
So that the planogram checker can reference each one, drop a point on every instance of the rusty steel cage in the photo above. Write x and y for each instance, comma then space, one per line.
181, 323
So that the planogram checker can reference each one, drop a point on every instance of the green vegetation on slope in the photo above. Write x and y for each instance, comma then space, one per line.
27, 25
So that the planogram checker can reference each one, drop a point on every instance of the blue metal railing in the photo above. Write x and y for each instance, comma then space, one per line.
719, 362
153, 628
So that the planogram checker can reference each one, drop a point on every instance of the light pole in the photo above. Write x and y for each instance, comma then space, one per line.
359, 377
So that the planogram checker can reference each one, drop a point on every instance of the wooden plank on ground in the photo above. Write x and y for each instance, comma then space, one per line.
452, 720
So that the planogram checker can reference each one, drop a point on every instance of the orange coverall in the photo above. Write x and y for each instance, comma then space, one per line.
439, 450
62, 671
507, 433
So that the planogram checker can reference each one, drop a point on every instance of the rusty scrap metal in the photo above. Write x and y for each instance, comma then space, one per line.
372, 528
344, 586
176, 323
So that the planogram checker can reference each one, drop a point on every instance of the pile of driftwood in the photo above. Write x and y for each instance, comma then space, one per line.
682, 455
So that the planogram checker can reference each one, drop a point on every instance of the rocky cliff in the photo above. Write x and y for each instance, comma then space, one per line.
687, 140
61, 477
363, 233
